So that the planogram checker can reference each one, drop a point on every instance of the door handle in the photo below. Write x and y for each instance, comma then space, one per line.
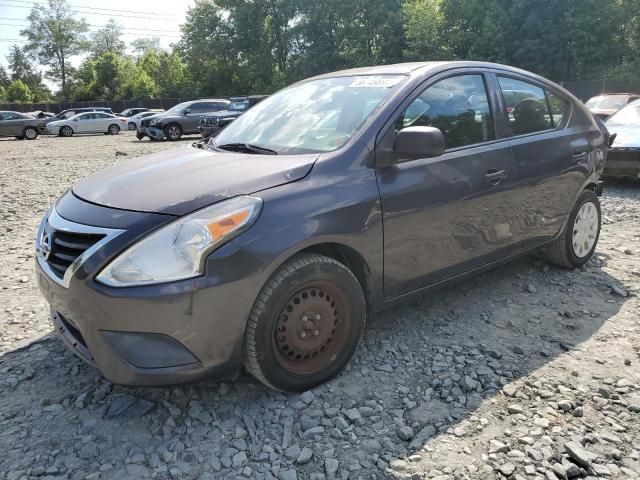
579, 156
494, 177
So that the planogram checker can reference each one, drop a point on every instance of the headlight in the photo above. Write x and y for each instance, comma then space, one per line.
178, 250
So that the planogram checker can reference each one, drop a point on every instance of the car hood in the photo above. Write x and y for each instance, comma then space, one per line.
181, 180
226, 113
626, 135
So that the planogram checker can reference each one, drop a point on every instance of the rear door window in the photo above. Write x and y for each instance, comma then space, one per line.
458, 106
560, 108
526, 105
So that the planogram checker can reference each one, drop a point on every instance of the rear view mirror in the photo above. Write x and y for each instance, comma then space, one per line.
419, 142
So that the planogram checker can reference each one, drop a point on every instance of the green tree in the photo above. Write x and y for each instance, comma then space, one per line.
22, 68
4, 77
108, 39
107, 75
423, 25
19, 92
142, 45
54, 35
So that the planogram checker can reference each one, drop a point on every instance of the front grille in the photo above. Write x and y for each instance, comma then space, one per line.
210, 121
66, 247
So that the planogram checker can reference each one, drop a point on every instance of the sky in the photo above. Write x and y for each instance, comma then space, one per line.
139, 18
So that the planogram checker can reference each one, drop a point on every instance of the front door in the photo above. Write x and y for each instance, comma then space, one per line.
85, 123
445, 215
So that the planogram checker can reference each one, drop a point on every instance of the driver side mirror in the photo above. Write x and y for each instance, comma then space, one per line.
187, 111
75, 119
419, 142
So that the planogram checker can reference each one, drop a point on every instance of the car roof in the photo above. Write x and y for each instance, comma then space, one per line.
421, 67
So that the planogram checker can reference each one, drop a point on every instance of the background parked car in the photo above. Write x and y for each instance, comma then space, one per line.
130, 112
41, 114
604, 106
135, 120
623, 159
88, 122
75, 111
20, 125
211, 125
183, 119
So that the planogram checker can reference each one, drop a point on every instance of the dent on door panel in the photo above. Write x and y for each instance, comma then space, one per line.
441, 217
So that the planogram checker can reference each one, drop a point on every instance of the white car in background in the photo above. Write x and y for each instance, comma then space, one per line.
88, 122
134, 121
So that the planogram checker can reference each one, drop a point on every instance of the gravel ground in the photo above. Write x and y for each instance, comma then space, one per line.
527, 372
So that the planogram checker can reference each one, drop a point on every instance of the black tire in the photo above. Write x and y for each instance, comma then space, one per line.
173, 132
113, 129
30, 133
308, 285
131, 126
562, 251
66, 131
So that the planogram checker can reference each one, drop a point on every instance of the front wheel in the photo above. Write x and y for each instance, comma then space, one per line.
578, 241
305, 324
173, 132
113, 130
66, 131
131, 126
30, 133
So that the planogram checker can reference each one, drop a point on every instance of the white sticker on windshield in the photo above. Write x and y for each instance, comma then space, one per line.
375, 82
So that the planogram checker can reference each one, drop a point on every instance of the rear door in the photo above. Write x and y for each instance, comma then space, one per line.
449, 214
551, 155
102, 121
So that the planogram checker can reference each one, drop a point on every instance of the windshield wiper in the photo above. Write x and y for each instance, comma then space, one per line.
247, 147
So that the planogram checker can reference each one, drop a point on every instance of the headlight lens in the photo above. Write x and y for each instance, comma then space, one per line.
177, 251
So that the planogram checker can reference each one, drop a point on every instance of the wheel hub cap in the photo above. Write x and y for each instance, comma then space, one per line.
585, 230
310, 330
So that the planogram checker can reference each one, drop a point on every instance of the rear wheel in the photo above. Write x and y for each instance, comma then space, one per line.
173, 132
577, 243
66, 131
305, 325
30, 133
113, 130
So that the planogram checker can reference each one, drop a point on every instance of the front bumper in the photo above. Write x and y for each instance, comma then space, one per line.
623, 162
208, 131
155, 133
159, 334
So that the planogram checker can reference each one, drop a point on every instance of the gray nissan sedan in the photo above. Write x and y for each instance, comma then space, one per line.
330, 200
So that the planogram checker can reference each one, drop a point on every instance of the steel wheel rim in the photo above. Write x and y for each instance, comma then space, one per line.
312, 328
585, 230
30, 133
173, 133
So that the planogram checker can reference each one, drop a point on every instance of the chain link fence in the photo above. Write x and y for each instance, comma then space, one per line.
585, 89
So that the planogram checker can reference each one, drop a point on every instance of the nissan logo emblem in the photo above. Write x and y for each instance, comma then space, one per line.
45, 246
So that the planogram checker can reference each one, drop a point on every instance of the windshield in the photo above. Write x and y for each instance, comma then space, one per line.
179, 108
311, 117
239, 105
608, 103
629, 115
